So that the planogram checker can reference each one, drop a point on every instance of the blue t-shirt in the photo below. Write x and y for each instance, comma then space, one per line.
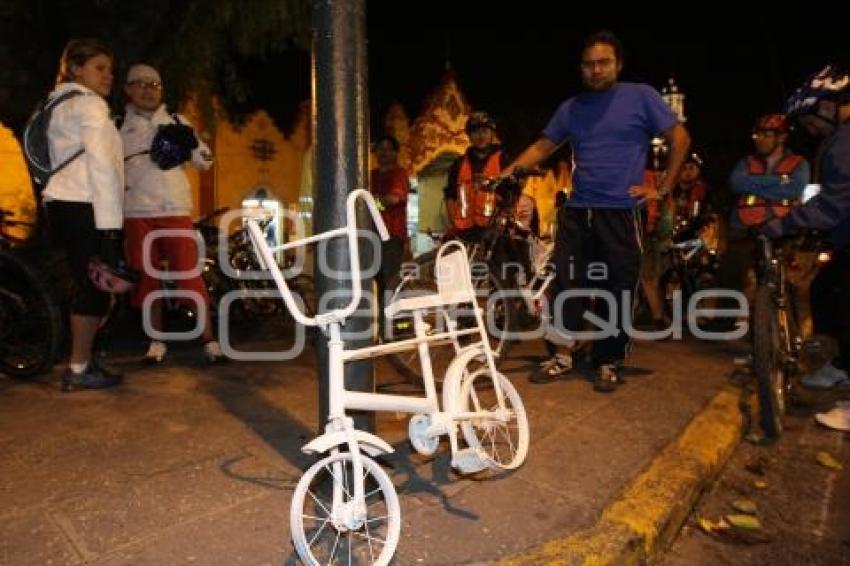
610, 133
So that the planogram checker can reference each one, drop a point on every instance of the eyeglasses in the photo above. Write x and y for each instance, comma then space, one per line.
155, 85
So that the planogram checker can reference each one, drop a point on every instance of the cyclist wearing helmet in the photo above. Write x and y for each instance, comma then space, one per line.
768, 183
470, 209
158, 197
772, 179
822, 107
687, 200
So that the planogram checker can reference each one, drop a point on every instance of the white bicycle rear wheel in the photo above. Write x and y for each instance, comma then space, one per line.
503, 442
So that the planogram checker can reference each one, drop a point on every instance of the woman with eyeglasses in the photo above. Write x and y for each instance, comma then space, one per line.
84, 199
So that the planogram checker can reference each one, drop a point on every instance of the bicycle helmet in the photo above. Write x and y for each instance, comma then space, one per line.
830, 82
110, 280
172, 145
776, 122
479, 120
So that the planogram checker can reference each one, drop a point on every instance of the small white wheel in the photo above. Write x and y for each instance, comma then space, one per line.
325, 534
503, 437
417, 431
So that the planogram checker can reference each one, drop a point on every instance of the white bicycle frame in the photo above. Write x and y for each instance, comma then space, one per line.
456, 289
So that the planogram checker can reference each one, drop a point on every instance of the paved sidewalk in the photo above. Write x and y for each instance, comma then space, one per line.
186, 464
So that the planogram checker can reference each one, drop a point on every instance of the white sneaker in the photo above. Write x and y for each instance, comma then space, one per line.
826, 377
212, 350
156, 352
565, 360
837, 418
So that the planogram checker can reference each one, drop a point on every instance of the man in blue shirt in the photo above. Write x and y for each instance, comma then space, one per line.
609, 127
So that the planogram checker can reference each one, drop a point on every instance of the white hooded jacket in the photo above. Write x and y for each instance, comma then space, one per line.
97, 175
151, 191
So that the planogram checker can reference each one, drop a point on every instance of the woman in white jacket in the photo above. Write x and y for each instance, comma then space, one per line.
84, 200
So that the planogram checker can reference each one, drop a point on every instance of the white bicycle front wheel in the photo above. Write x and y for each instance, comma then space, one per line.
325, 535
503, 441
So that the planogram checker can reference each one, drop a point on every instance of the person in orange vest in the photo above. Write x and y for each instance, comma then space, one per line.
469, 208
768, 183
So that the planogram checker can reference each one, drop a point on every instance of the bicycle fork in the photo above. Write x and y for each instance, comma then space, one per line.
347, 515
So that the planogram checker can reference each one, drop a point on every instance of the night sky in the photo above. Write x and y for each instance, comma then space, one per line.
517, 61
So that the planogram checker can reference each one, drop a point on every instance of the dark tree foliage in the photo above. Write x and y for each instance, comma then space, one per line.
247, 54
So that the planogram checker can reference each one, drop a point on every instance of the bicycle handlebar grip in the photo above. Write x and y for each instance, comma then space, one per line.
373, 210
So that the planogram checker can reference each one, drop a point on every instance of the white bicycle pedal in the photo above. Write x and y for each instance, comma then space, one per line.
469, 461
417, 431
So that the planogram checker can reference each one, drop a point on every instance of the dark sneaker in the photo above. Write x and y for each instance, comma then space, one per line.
606, 379
106, 371
91, 378
552, 369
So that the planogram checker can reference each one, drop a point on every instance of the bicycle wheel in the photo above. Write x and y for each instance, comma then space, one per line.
324, 535
768, 360
31, 324
503, 442
497, 310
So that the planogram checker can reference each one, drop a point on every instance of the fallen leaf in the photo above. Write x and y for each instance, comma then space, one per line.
744, 522
745, 506
760, 484
724, 532
707, 525
826, 460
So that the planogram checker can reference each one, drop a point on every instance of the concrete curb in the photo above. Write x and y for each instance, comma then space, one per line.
644, 520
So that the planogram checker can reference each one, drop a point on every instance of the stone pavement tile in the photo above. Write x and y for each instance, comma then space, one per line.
488, 519
31, 538
113, 518
132, 446
254, 532
583, 461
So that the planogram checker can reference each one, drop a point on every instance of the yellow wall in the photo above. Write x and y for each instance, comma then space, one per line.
15, 187
238, 172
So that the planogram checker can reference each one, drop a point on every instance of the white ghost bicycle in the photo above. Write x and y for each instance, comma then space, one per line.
345, 509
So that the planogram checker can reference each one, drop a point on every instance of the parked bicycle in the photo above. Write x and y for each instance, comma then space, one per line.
259, 297
31, 320
345, 509
693, 262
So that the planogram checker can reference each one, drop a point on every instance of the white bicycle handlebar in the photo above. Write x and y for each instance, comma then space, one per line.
349, 231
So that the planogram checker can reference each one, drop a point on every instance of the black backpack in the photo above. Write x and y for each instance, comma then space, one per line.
35, 143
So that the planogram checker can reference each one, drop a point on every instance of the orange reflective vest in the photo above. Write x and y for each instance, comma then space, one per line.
752, 209
474, 206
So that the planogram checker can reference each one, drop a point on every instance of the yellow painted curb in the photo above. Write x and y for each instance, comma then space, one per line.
648, 514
